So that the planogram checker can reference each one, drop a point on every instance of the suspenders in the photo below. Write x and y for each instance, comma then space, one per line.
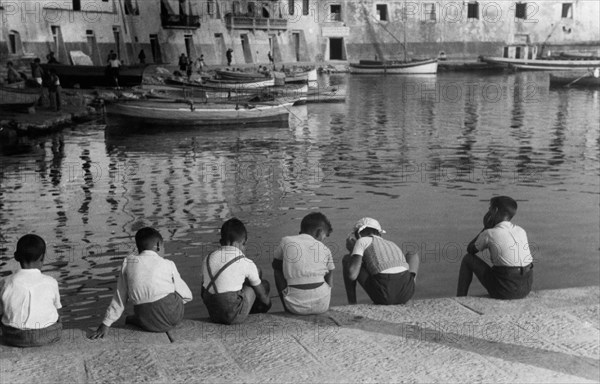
213, 279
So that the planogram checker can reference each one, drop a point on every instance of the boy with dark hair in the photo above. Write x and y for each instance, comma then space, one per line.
30, 299
232, 286
303, 267
511, 273
379, 266
154, 286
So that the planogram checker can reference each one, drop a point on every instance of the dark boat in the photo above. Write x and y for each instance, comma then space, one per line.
88, 76
18, 97
586, 80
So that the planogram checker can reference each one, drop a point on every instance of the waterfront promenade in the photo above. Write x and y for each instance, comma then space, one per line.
551, 336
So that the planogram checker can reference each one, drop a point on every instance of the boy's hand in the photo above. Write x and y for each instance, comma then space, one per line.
350, 242
100, 332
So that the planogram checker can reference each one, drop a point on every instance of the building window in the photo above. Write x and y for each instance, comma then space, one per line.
381, 10
266, 12
13, 42
77, 5
291, 7
132, 7
210, 7
521, 11
251, 9
236, 8
305, 6
429, 12
567, 10
473, 10
335, 12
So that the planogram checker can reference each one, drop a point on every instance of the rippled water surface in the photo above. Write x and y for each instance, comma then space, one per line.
421, 154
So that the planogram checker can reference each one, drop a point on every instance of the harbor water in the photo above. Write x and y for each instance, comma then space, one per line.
423, 155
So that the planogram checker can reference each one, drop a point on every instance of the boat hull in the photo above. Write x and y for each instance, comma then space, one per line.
544, 64
252, 76
233, 84
422, 67
19, 97
575, 81
184, 115
88, 76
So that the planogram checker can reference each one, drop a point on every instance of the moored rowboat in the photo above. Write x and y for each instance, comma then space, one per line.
88, 76
586, 80
15, 97
196, 115
239, 84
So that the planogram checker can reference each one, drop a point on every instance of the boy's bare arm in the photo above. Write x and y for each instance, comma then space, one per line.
354, 268
261, 294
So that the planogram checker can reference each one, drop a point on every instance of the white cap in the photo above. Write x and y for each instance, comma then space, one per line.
367, 222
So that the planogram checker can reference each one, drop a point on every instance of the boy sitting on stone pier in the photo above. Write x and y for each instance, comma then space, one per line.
30, 299
232, 287
511, 273
154, 286
378, 265
303, 267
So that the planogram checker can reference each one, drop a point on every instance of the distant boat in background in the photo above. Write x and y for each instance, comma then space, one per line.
88, 76
525, 57
415, 67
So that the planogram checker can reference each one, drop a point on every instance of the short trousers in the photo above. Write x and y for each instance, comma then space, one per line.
509, 283
307, 301
161, 315
390, 288
31, 337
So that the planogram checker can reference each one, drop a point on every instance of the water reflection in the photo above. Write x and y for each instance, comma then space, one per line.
422, 154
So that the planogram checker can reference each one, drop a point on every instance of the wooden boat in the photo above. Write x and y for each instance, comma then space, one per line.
88, 76
525, 57
197, 115
301, 76
239, 84
415, 67
216, 91
584, 80
19, 97
231, 75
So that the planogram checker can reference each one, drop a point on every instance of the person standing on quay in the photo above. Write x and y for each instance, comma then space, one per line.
229, 56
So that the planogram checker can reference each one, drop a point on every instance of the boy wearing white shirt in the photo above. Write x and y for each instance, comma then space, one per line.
30, 299
154, 286
379, 266
511, 273
231, 283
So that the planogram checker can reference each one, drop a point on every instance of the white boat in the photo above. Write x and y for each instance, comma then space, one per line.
525, 57
239, 84
181, 114
401, 67
415, 67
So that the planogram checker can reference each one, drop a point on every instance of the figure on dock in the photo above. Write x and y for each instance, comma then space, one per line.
51, 58
385, 273
29, 299
229, 56
511, 273
142, 57
114, 67
232, 285
271, 60
12, 76
54, 90
303, 267
152, 284
183, 63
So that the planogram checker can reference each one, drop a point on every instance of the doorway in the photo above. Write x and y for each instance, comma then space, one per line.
296, 45
220, 49
155, 46
189, 46
246, 49
60, 51
336, 48
93, 50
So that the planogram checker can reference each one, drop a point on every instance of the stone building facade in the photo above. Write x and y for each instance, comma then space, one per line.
293, 30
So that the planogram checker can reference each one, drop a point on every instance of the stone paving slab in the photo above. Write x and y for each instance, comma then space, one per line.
552, 336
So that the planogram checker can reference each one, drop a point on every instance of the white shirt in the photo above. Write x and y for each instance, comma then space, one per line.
29, 300
306, 260
145, 278
232, 279
507, 244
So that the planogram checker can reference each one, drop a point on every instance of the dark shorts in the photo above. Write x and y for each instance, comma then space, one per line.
161, 315
232, 307
509, 283
31, 337
393, 288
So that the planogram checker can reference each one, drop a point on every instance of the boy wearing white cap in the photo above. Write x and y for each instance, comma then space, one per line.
379, 266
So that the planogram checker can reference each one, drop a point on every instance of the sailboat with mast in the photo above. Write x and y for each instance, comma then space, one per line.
395, 66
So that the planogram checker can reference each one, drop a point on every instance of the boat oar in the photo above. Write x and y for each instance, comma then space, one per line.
577, 79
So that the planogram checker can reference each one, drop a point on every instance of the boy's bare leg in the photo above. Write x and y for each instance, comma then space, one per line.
413, 260
471, 264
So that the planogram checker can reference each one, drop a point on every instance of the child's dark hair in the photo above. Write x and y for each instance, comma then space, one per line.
30, 248
505, 205
147, 238
314, 221
233, 230
367, 232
